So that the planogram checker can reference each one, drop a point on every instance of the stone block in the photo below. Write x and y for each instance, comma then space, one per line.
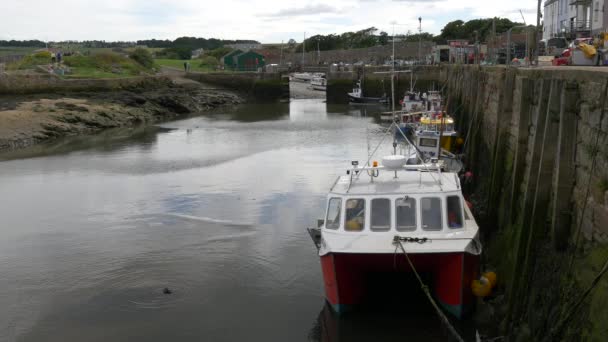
600, 217
600, 237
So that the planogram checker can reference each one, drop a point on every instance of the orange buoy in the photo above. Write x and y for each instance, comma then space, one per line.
481, 287
491, 276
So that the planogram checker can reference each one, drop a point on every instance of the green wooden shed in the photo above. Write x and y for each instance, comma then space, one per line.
229, 60
248, 61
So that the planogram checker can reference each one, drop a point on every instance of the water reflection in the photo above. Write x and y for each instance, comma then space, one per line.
144, 137
213, 207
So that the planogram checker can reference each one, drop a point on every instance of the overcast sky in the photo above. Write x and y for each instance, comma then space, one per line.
263, 20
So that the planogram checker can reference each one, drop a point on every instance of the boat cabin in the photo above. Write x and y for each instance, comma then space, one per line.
396, 207
434, 129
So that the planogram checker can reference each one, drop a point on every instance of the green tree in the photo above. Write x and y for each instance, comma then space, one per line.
383, 38
143, 57
209, 61
219, 52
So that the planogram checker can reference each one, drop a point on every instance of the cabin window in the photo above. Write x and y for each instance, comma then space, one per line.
427, 142
431, 213
406, 214
355, 215
454, 212
333, 213
381, 214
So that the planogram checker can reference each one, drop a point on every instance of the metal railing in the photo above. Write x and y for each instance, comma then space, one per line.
578, 26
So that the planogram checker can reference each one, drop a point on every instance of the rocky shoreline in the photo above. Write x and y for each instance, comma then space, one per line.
27, 120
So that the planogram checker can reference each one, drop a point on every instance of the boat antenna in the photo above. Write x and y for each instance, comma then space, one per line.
393, 75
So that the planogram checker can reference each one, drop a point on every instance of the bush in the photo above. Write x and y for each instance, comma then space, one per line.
175, 53
209, 61
43, 54
143, 57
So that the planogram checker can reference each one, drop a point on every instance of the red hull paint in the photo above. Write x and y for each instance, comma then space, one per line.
345, 276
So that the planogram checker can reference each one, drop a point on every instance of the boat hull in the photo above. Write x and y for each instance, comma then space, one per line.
346, 277
355, 99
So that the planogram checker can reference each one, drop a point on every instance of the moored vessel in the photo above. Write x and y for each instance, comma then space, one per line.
356, 96
373, 209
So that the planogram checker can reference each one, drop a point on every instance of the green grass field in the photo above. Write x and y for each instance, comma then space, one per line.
16, 50
179, 64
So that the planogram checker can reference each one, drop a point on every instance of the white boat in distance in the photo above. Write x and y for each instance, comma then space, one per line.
302, 76
319, 82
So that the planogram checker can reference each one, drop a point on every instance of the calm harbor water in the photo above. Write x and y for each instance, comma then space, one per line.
213, 207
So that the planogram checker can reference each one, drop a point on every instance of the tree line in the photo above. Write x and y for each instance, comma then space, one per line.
480, 29
190, 43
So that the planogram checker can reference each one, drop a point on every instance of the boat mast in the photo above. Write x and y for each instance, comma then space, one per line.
393, 75
303, 48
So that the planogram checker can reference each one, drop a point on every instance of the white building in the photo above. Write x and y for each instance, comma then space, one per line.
599, 17
245, 46
573, 18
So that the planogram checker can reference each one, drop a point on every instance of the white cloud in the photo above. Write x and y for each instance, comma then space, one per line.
267, 21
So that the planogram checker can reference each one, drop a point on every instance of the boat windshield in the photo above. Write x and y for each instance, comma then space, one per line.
428, 142
332, 221
355, 214
454, 211
431, 213
406, 214
380, 214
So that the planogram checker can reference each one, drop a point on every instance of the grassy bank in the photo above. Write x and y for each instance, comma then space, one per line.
103, 65
8, 50
99, 65
179, 64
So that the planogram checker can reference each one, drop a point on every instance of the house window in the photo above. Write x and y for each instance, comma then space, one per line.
454, 211
355, 215
405, 209
431, 213
381, 214
332, 221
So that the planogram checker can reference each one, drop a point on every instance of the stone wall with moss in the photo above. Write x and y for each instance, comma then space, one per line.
260, 86
30, 83
537, 142
376, 82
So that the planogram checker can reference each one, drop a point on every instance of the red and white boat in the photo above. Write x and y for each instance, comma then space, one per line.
372, 207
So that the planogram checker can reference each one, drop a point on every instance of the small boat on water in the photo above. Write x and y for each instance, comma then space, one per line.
356, 96
319, 82
375, 208
302, 76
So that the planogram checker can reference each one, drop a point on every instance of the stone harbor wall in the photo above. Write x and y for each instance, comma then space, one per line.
537, 141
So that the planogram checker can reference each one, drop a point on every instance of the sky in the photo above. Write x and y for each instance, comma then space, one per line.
262, 20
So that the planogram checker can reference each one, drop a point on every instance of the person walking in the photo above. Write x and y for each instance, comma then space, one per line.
185, 66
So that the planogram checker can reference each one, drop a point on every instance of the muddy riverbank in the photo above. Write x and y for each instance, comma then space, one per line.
30, 119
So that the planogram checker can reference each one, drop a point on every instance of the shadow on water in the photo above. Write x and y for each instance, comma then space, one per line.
110, 140
395, 309
253, 112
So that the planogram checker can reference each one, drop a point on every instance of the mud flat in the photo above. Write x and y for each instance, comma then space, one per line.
26, 120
